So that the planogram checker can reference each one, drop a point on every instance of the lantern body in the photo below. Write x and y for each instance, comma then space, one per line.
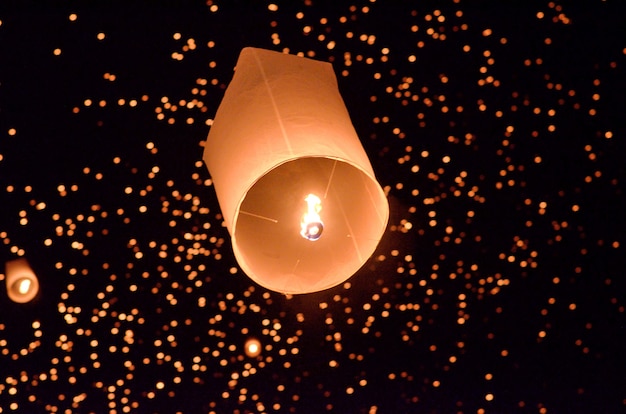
22, 283
282, 132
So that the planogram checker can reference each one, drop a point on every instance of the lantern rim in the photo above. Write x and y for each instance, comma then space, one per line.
13, 287
242, 251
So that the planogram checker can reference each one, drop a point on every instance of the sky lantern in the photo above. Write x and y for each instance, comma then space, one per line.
22, 283
296, 189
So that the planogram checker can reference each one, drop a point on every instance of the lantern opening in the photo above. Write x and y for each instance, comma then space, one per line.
22, 286
267, 245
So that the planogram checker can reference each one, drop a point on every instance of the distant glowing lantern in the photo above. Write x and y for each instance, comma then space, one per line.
22, 283
253, 347
296, 189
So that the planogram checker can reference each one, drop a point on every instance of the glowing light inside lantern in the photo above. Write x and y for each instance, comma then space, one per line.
311, 225
22, 285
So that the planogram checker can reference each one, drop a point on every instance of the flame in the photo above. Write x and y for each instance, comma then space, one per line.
311, 226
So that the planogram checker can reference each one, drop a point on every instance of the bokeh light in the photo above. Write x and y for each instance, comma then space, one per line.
253, 347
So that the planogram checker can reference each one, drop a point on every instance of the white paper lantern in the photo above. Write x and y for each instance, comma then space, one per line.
296, 189
22, 283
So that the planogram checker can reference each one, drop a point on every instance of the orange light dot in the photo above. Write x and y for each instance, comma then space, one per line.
252, 347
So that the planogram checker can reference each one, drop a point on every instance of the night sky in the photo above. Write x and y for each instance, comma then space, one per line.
495, 128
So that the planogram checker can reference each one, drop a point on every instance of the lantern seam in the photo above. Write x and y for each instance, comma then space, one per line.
274, 106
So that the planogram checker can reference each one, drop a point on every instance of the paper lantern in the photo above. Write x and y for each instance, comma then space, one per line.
296, 189
22, 283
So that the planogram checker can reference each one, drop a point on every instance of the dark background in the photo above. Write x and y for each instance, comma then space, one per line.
488, 301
